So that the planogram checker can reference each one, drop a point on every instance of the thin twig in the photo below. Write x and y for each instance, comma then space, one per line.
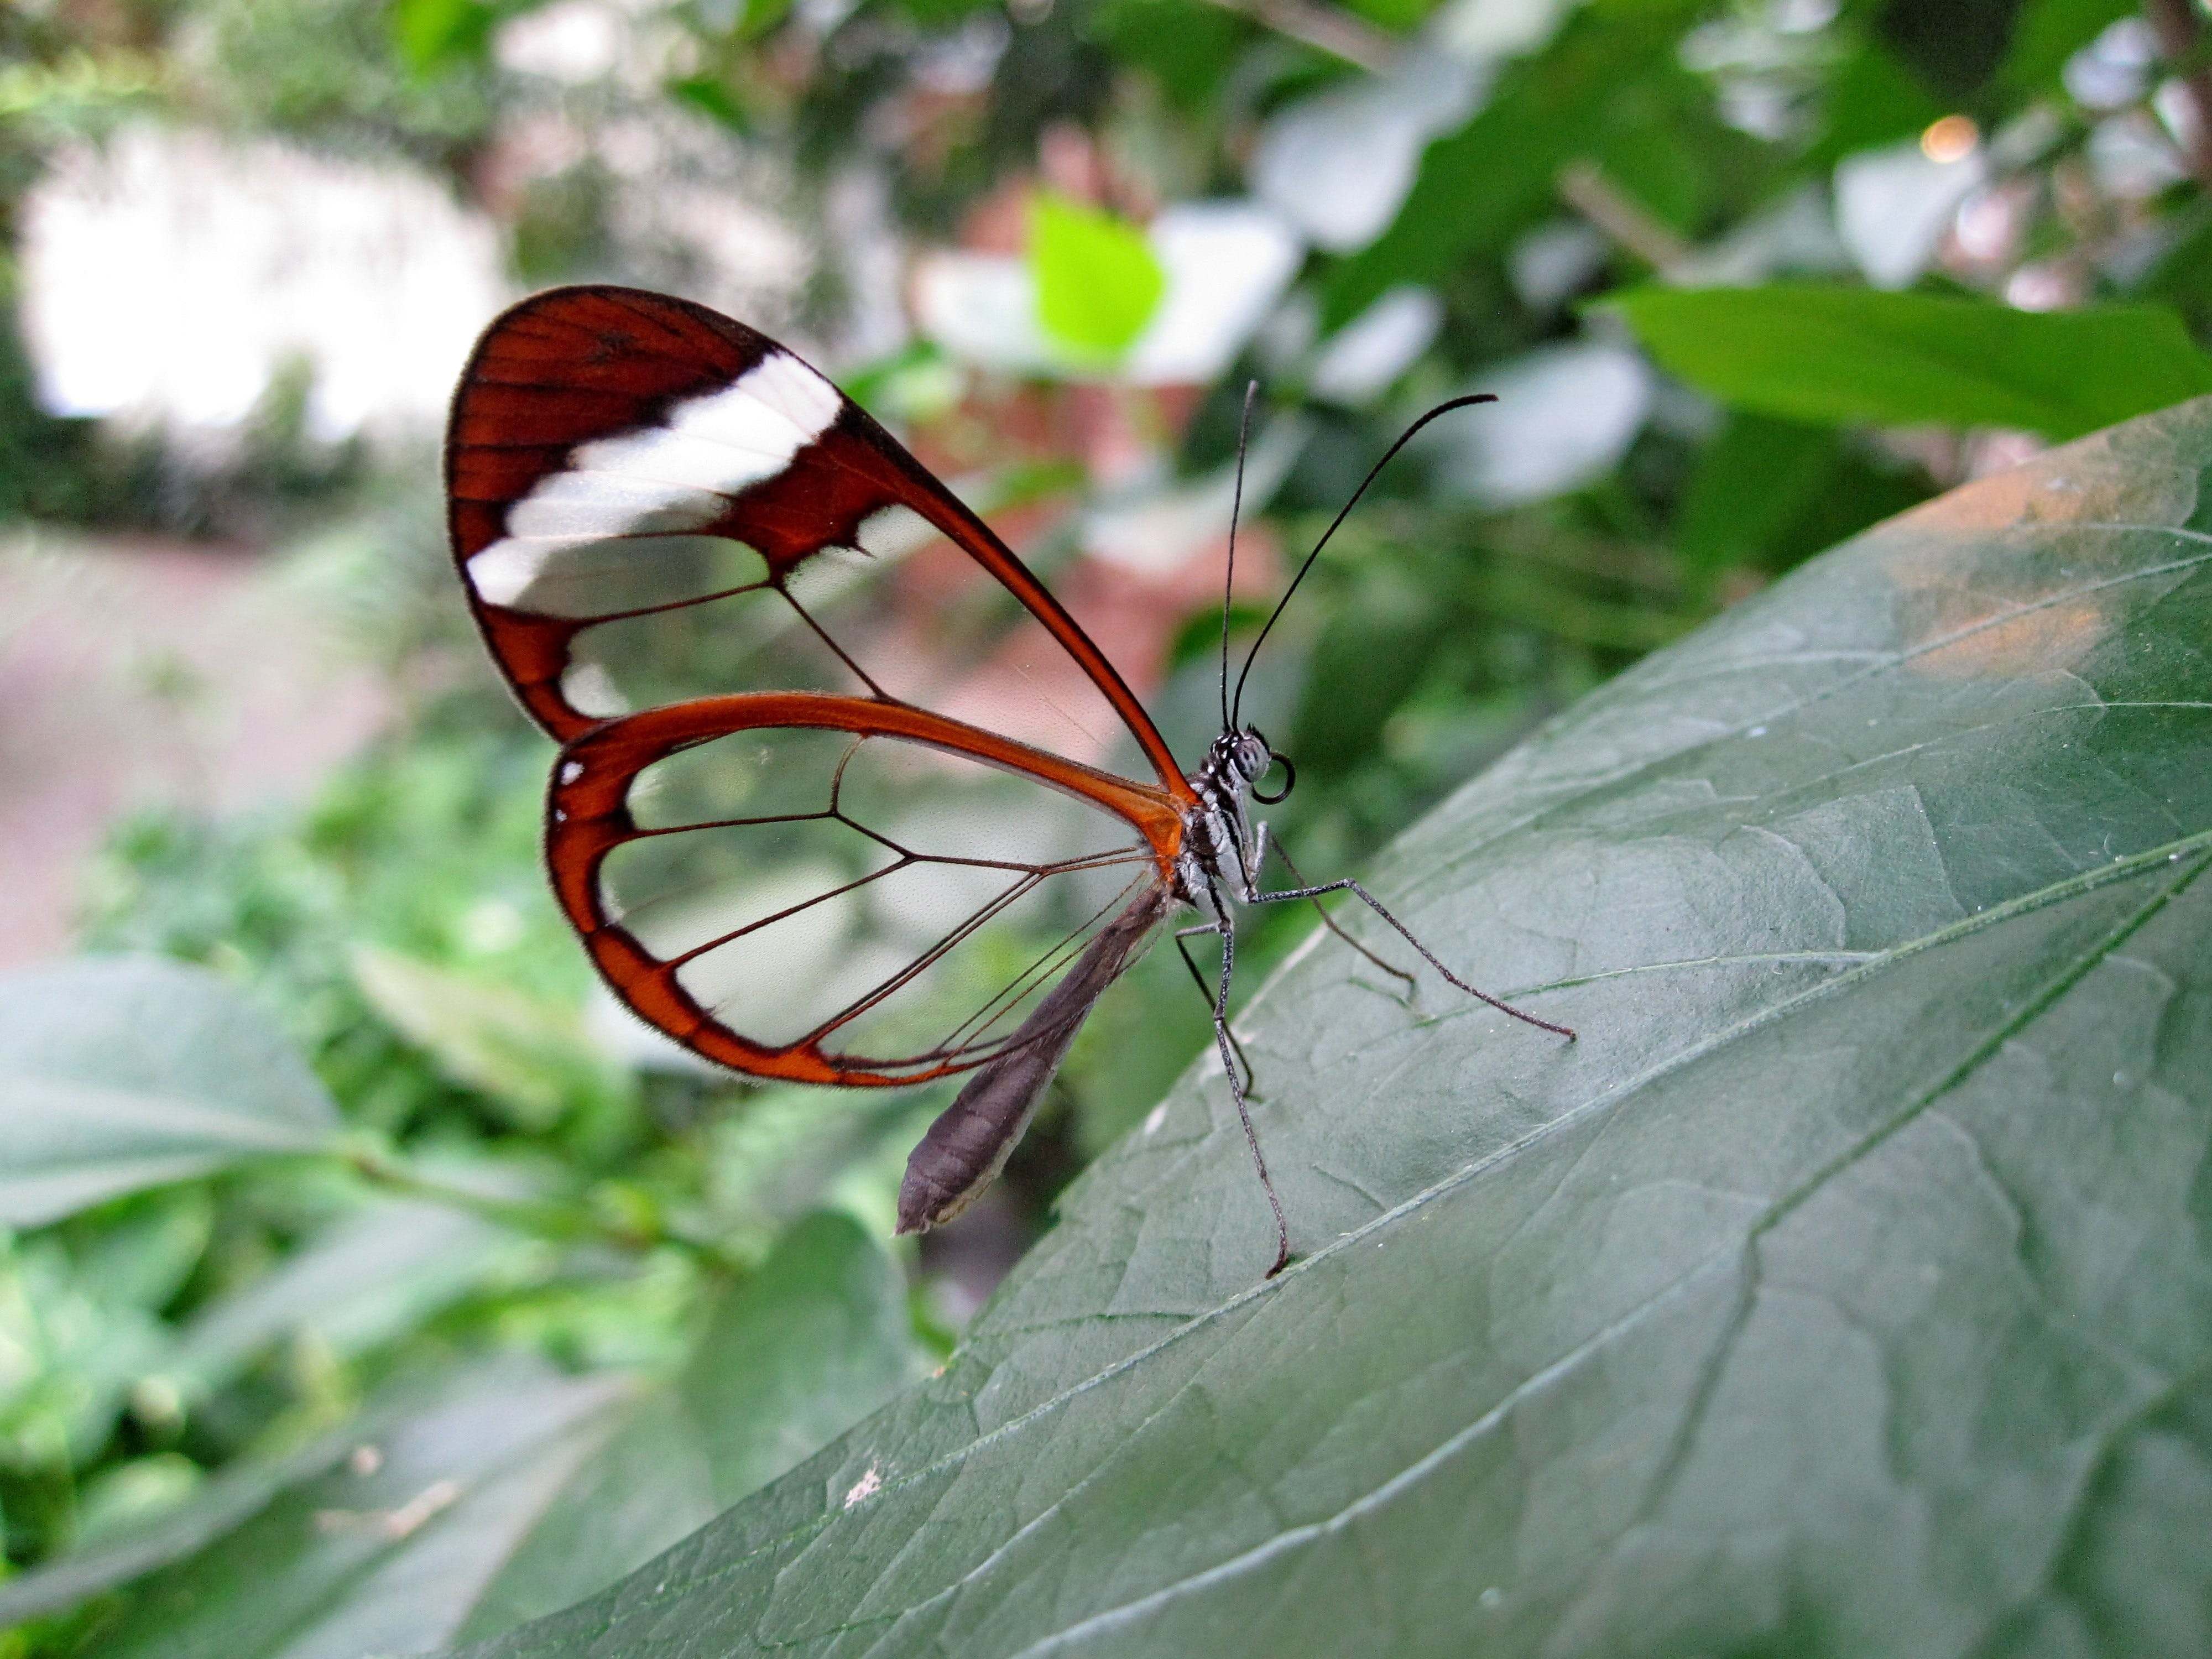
1324, 28
1584, 187
2180, 34
561, 1222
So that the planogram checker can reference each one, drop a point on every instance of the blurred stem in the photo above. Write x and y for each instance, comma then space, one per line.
1516, 596
1324, 28
1625, 563
1584, 187
2180, 34
565, 1224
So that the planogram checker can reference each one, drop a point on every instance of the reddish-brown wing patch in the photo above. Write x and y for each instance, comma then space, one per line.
616, 458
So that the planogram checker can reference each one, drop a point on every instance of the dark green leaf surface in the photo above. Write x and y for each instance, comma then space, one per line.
1808, 352
119, 1074
1847, 1289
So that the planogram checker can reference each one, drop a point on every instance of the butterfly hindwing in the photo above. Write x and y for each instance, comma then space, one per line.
832, 889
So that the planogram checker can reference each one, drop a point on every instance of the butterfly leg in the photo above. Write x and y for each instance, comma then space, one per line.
1224, 1041
1251, 1090
1329, 922
1252, 895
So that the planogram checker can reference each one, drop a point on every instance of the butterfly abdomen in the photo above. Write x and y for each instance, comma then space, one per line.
968, 1143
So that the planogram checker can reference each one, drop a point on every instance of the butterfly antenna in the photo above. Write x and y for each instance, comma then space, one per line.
1228, 576
1406, 437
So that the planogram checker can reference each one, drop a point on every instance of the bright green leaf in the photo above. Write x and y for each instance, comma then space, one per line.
1822, 354
1399, 15
1847, 1289
435, 35
1098, 280
69, 1361
120, 1074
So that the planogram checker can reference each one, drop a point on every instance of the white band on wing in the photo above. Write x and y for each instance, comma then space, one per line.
667, 478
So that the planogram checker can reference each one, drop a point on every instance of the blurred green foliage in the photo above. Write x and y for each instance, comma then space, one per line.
1651, 223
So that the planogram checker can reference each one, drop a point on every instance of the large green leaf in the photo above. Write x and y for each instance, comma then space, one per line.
1847, 1288
1812, 352
119, 1073
509, 1494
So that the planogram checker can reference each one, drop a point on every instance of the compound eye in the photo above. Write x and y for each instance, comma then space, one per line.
1252, 753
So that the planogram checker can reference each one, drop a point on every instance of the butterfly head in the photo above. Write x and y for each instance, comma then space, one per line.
1247, 757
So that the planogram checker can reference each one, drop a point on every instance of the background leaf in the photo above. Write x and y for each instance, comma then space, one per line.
118, 1075
375, 1274
1098, 280
557, 1487
383, 1552
529, 1057
221, 1505
1847, 1287
797, 1353
1808, 352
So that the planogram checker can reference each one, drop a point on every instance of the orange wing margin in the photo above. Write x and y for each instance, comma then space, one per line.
588, 816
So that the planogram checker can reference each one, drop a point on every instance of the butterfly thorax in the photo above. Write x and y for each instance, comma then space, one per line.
1217, 839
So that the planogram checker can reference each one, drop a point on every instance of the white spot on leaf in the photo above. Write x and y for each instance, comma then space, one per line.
865, 1487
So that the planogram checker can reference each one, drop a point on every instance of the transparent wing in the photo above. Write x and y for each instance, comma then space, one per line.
839, 889
650, 502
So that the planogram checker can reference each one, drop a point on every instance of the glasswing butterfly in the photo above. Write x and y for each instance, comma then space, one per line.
643, 493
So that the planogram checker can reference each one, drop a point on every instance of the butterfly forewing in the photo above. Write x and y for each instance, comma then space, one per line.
650, 502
